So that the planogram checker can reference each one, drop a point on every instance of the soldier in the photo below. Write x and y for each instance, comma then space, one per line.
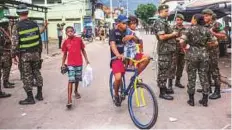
26, 48
6, 58
198, 38
2, 42
178, 58
217, 30
166, 47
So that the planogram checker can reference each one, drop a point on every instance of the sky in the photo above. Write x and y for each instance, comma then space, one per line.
132, 3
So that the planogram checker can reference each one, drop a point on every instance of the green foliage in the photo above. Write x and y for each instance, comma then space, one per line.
145, 11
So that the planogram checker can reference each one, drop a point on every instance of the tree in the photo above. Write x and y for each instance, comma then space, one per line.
145, 11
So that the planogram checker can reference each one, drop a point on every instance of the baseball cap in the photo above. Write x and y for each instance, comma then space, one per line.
122, 18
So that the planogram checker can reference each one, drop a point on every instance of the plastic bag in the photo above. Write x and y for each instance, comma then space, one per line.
87, 76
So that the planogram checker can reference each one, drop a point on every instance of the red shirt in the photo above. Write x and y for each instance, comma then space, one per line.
73, 46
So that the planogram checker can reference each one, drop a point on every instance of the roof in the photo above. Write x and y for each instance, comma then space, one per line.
220, 7
14, 4
199, 3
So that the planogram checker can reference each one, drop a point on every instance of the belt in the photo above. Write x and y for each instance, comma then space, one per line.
6, 51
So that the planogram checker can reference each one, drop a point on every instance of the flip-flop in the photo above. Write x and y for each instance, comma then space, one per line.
69, 105
77, 95
4, 95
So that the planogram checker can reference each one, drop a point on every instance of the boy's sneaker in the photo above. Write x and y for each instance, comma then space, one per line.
117, 101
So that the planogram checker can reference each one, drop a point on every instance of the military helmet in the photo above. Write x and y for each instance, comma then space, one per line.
22, 8
4, 20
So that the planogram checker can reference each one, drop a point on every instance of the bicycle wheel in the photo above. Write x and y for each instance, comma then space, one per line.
145, 115
90, 39
111, 85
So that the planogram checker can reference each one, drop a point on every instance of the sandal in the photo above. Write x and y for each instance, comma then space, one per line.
77, 95
4, 95
69, 105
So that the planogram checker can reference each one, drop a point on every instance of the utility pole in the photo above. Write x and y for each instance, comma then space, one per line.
111, 13
127, 8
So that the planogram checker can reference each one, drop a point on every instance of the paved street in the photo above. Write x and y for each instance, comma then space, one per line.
96, 110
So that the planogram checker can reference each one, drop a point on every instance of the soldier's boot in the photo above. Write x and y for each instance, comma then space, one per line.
191, 100
6, 84
178, 84
39, 95
29, 100
217, 93
169, 90
164, 95
204, 100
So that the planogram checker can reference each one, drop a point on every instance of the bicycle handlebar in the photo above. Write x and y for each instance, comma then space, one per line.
133, 60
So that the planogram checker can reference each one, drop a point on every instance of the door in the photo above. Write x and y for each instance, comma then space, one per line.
77, 27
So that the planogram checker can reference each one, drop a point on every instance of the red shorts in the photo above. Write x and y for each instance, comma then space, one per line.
118, 66
139, 56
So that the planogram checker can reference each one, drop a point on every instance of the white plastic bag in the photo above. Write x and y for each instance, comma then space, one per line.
87, 76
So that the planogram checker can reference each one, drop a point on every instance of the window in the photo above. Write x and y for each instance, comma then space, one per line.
54, 1
53, 20
38, 1
72, 19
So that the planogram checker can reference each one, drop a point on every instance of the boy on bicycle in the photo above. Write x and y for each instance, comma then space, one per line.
73, 48
117, 42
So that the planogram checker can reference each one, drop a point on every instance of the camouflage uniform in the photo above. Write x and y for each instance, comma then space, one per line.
214, 54
214, 57
197, 57
6, 61
30, 63
165, 50
180, 62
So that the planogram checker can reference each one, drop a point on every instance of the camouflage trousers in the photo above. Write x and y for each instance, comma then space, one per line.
180, 65
164, 63
30, 70
6, 63
200, 66
177, 65
213, 72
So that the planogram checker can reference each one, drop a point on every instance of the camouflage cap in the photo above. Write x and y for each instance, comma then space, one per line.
162, 7
207, 11
180, 16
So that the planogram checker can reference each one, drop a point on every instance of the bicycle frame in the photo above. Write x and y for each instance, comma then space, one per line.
133, 82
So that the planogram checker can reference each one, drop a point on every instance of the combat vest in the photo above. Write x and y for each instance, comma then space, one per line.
29, 36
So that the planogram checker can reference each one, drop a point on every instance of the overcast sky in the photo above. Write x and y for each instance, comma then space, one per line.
132, 3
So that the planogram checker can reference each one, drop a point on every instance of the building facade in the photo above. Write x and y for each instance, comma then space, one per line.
71, 12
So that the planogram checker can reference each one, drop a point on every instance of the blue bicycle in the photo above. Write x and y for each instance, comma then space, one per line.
142, 103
